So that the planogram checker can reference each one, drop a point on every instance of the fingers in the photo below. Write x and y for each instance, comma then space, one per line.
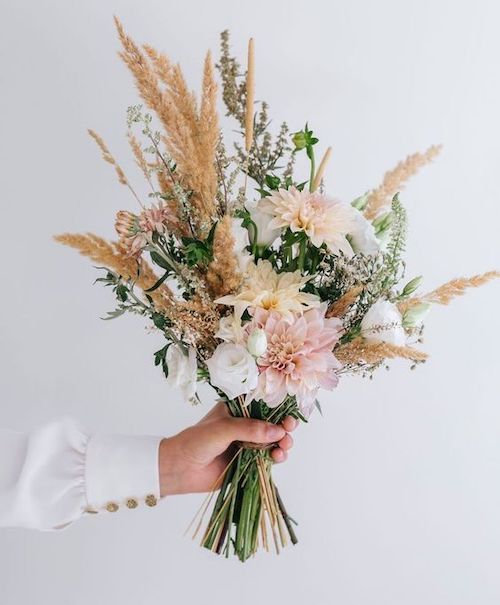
286, 443
289, 424
250, 429
280, 453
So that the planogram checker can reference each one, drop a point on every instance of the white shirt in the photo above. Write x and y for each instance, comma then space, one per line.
55, 474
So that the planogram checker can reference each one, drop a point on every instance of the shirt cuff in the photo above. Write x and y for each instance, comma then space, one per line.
121, 470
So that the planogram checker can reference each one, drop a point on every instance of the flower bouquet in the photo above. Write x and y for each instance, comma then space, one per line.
260, 283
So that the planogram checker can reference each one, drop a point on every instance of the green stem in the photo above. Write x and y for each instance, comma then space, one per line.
310, 155
302, 253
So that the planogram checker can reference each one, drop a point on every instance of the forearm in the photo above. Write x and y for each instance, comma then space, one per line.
59, 472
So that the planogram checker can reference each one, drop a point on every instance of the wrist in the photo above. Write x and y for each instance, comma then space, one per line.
168, 471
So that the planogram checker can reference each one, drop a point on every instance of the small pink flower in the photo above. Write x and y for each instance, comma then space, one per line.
136, 231
154, 219
299, 358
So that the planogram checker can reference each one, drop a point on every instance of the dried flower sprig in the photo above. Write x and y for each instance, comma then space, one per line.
395, 179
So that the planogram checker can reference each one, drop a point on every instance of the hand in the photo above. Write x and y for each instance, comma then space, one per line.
194, 459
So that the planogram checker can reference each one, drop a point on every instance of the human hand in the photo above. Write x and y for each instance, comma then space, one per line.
194, 459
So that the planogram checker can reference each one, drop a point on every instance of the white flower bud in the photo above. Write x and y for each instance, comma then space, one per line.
257, 342
414, 316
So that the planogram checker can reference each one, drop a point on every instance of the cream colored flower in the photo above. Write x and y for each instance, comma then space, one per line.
266, 289
325, 221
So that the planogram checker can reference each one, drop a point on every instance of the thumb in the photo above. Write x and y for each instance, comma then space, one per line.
250, 429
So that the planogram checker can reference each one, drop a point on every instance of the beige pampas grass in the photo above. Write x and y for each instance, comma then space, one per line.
250, 95
447, 292
321, 169
113, 256
395, 179
340, 307
190, 136
140, 159
223, 276
196, 320
107, 156
358, 351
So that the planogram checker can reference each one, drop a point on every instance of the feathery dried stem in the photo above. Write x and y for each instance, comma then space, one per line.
250, 95
395, 179
140, 159
321, 169
223, 276
196, 320
190, 137
359, 351
113, 256
107, 156
340, 307
447, 292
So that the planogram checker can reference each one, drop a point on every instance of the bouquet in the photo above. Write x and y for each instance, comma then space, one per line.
261, 284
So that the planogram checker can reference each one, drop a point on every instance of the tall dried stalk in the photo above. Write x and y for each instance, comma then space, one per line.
190, 135
250, 96
395, 179
321, 169
108, 157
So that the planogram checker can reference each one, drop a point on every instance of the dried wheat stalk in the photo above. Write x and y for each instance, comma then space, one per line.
447, 292
339, 307
395, 179
223, 276
358, 351
190, 136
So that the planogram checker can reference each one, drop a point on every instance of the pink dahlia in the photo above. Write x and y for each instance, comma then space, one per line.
299, 358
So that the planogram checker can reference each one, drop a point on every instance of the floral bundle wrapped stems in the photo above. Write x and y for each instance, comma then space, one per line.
259, 282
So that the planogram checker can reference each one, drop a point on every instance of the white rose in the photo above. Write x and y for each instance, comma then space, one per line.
363, 239
241, 241
265, 235
182, 370
233, 370
257, 342
383, 323
230, 329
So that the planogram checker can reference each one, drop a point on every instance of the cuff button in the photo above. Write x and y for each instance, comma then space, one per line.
112, 507
132, 503
151, 500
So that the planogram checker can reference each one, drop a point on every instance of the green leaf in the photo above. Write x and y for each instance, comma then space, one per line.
318, 406
159, 320
113, 314
121, 292
272, 181
159, 260
159, 282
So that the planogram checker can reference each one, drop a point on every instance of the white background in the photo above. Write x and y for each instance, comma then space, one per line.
397, 488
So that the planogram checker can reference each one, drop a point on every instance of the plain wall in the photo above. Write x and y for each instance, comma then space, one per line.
397, 487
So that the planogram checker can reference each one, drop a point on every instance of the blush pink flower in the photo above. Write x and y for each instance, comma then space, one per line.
324, 220
299, 358
136, 231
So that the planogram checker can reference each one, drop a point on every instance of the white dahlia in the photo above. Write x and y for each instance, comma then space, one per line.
266, 289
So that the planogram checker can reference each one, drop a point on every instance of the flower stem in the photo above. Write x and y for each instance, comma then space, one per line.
310, 155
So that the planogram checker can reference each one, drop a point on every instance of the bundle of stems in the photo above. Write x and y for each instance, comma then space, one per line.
248, 510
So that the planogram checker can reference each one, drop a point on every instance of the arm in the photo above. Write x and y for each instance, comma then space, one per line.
59, 472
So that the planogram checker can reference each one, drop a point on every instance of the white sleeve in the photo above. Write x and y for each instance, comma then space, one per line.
58, 472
